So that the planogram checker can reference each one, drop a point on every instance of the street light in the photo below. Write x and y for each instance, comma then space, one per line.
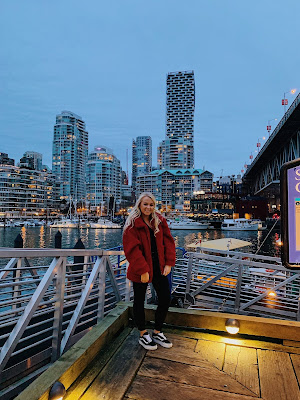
269, 127
258, 144
284, 101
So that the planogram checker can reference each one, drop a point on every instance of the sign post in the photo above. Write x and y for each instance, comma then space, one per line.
290, 214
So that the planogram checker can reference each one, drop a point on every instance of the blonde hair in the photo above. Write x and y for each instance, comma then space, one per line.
136, 212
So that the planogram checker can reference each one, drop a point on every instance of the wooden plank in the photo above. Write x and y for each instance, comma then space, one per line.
115, 378
234, 340
211, 320
183, 350
145, 388
90, 373
71, 364
209, 377
241, 364
292, 343
296, 363
212, 352
277, 377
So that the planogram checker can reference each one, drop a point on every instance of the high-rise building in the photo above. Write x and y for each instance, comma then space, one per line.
177, 150
32, 160
5, 160
141, 157
70, 153
103, 178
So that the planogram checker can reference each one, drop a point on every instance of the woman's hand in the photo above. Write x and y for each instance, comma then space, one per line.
167, 270
145, 277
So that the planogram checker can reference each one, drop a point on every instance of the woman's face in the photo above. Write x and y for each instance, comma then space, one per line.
146, 206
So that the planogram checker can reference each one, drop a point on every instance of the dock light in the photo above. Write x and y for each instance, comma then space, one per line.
232, 326
57, 391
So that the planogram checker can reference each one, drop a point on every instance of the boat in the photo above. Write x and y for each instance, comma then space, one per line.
188, 224
7, 223
65, 223
104, 223
226, 244
239, 224
261, 225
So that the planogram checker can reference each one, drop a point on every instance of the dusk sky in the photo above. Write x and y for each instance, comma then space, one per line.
107, 62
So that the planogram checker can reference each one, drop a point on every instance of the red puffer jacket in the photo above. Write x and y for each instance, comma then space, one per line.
137, 248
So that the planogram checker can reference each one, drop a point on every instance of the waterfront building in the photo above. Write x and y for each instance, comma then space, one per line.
213, 203
177, 150
141, 157
228, 184
70, 153
5, 160
25, 191
32, 160
174, 189
103, 178
253, 206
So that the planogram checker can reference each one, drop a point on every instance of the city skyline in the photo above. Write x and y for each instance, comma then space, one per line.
111, 68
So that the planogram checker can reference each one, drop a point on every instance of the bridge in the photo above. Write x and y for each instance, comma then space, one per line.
262, 177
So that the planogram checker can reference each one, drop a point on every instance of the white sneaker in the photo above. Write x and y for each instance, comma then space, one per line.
160, 338
147, 342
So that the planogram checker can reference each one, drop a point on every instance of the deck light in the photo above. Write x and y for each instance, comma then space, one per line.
57, 391
232, 326
272, 293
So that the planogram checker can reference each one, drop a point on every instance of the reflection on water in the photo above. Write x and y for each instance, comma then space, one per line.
43, 237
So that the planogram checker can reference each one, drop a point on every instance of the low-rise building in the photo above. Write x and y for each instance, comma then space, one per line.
174, 189
26, 191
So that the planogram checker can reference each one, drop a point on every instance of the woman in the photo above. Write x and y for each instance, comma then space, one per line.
150, 250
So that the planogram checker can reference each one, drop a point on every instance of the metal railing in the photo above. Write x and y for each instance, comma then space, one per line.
238, 283
48, 300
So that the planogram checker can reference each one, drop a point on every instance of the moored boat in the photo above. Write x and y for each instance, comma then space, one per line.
239, 224
188, 224
104, 223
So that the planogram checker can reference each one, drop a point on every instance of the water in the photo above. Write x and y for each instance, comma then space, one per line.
43, 237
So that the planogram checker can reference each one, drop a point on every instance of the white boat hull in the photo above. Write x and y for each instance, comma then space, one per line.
189, 227
101, 226
234, 228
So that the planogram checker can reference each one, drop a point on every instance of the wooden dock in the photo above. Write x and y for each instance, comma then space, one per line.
208, 365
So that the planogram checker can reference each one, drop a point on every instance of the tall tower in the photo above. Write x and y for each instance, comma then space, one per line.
103, 177
70, 154
141, 157
178, 147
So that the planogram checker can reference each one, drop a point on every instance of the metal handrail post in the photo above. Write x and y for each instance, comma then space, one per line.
127, 285
113, 281
119, 259
58, 310
101, 295
238, 289
188, 298
16, 287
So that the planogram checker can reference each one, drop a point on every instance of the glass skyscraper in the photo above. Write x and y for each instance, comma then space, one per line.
103, 178
177, 150
141, 157
70, 154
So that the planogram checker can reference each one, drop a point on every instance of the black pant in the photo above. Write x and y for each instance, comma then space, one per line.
162, 288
